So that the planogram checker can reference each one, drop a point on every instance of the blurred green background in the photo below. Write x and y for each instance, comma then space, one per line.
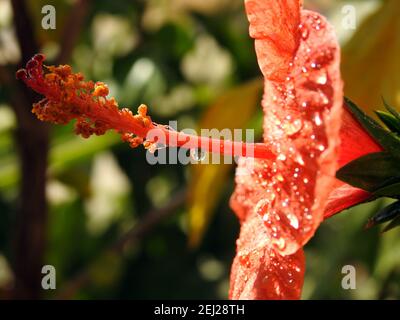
117, 227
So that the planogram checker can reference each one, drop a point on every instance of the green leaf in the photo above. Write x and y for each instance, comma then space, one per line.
393, 224
388, 213
386, 139
364, 57
389, 120
371, 172
392, 190
392, 110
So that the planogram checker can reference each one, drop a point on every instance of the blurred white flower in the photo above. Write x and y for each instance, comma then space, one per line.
6, 275
113, 35
179, 99
207, 63
58, 193
110, 188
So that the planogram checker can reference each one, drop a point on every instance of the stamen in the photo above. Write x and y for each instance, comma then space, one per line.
69, 97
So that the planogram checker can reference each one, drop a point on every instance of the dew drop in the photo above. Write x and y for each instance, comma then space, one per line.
322, 79
299, 160
294, 222
281, 157
324, 99
317, 119
315, 65
280, 243
321, 147
291, 128
197, 154
280, 178
305, 33
270, 197
305, 180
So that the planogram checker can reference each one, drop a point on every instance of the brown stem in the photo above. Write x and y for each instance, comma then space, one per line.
137, 233
72, 29
32, 140
32, 147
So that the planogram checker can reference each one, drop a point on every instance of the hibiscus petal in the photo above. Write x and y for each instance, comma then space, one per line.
355, 141
271, 22
344, 196
258, 272
302, 122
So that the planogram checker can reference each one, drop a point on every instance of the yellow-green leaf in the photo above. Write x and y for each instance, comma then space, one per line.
371, 64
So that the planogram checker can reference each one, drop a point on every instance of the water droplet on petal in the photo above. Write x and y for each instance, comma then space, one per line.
299, 160
322, 79
280, 243
291, 128
294, 222
281, 157
324, 99
317, 119
305, 33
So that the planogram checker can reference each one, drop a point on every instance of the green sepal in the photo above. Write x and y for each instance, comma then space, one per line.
393, 224
389, 120
392, 110
388, 213
371, 172
391, 191
388, 140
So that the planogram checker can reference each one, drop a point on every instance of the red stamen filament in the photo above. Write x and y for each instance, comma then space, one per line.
68, 97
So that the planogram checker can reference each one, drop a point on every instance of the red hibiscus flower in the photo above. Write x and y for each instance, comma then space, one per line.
281, 202
286, 186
